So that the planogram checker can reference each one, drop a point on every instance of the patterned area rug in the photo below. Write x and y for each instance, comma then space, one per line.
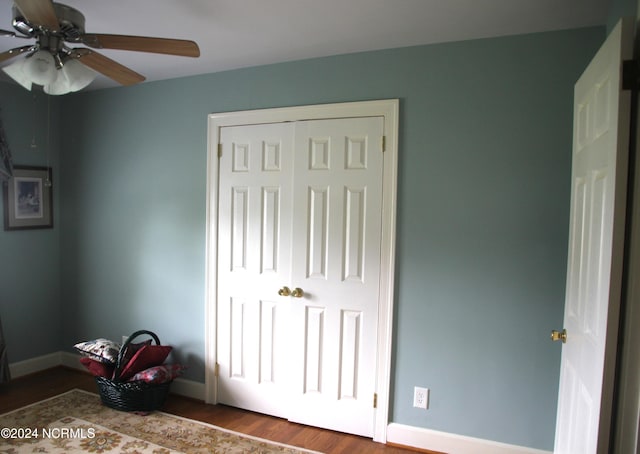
78, 422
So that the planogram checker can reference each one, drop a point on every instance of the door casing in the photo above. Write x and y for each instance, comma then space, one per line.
389, 109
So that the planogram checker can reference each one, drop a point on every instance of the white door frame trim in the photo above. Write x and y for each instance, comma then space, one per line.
389, 109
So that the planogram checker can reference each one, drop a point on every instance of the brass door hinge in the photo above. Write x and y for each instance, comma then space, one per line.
219, 150
384, 143
216, 370
375, 400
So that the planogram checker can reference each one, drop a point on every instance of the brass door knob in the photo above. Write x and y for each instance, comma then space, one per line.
559, 335
284, 291
297, 292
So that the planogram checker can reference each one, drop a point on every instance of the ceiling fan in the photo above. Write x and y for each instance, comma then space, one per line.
56, 27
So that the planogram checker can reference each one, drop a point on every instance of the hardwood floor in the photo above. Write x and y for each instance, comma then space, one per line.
33, 388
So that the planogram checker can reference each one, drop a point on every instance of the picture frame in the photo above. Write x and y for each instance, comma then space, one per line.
28, 199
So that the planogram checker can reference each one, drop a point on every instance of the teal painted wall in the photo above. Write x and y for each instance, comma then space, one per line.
485, 140
482, 222
30, 259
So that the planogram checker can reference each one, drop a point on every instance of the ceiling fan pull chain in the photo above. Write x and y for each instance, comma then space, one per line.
47, 181
33, 145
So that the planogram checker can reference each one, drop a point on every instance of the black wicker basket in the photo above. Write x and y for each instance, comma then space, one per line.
132, 396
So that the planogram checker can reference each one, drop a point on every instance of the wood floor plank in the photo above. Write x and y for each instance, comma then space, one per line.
33, 388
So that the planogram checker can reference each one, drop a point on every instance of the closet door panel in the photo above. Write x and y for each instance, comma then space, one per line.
337, 202
254, 246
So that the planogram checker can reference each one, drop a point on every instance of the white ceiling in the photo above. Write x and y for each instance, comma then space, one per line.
240, 33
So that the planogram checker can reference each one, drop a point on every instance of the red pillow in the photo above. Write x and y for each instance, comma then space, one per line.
131, 350
147, 356
159, 374
96, 368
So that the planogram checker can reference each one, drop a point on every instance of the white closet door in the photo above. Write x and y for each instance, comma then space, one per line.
300, 207
254, 243
336, 262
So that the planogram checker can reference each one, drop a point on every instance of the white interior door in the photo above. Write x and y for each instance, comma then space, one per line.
300, 207
598, 193
336, 261
254, 243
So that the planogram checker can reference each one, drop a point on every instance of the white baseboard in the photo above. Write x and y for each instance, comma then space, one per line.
29, 366
434, 440
181, 386
188, 388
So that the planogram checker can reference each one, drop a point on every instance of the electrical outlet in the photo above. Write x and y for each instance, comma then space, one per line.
421, 397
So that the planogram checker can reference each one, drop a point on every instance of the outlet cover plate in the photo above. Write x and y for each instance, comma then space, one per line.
421, 397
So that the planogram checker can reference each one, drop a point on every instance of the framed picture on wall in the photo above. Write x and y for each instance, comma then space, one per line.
28, 199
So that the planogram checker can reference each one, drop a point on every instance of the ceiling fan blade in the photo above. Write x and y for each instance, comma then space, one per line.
39, 13
168, 46
110, 68
4, 56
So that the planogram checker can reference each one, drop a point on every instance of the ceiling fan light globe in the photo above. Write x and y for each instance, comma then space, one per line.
78, 75
16, 72
60, 86
41, 68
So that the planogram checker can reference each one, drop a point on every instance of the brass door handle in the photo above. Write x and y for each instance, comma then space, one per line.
297, 292
559, 335
284, 291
